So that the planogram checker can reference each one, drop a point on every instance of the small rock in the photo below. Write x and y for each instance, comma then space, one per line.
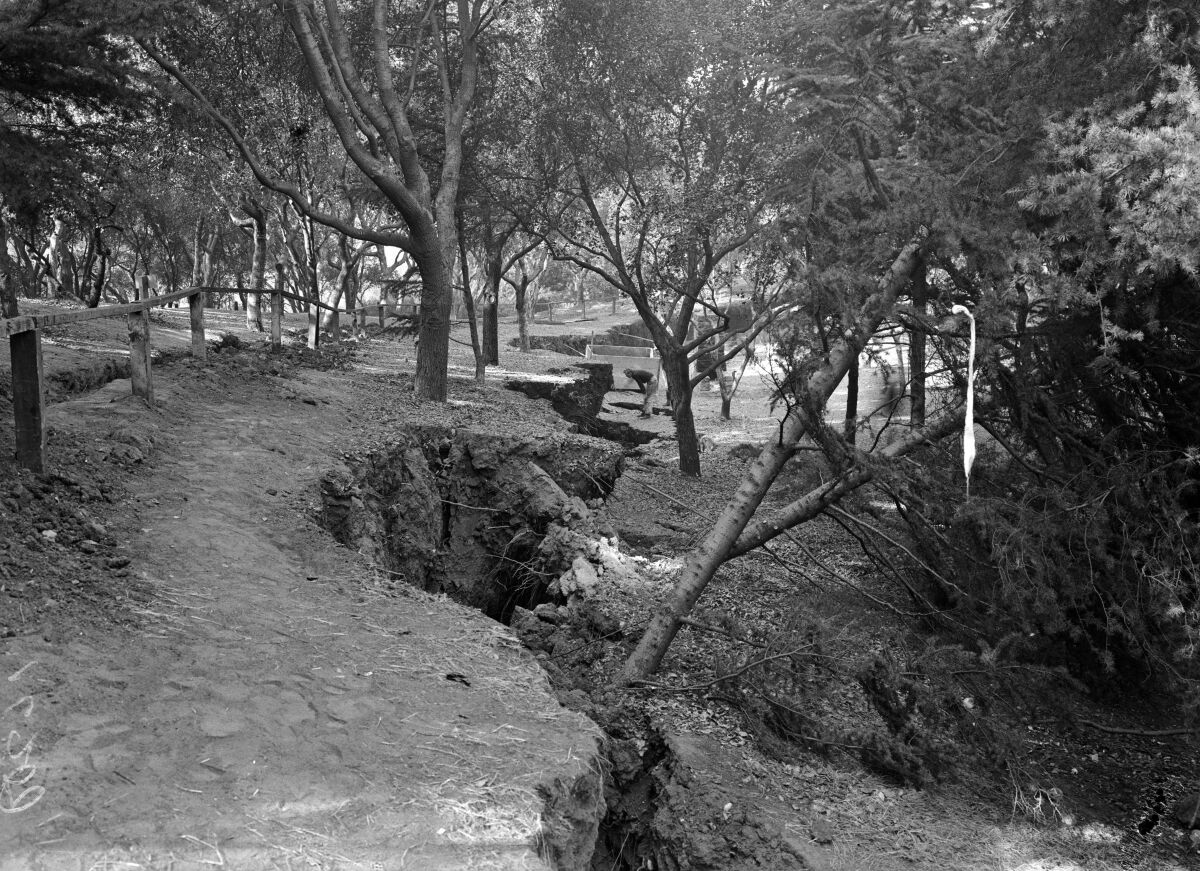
117, 562
88, 546
822, 831
271, 491
49, 534
126, 453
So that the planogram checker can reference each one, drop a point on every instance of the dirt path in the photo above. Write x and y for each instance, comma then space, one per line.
282, 706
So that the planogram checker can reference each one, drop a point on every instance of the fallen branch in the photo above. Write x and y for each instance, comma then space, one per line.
722, 677
717, 630
1145, 733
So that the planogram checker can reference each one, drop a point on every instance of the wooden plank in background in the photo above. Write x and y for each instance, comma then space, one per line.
196, 317
277, 310
139, 357
314, 327
29, 399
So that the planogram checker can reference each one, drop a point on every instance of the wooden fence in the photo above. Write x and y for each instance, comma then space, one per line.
25, 347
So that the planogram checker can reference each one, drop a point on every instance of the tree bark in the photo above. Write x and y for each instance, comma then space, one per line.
89, 261
850, 421
493, 270
101, 270
522, 316
57, 256
713, 550
916, 350
258, 264
198, 253
478, 349
433, 337
765, 529
679, 394
730, 383
8, 277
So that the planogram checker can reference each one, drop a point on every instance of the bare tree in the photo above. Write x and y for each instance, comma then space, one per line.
737, 530
371, 64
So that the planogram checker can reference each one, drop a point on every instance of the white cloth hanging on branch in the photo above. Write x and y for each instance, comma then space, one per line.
969, 422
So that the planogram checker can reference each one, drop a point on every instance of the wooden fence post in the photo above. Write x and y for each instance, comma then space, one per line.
196, 315
139, 356
277, 310
314, 326
28, 399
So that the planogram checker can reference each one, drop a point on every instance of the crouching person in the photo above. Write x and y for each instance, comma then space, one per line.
647, 383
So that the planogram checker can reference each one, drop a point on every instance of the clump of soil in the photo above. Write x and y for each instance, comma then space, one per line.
59, 562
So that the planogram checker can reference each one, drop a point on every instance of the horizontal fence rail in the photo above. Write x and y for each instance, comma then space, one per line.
25, 346
24, 323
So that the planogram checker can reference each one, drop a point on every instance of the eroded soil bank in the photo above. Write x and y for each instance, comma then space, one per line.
514, 526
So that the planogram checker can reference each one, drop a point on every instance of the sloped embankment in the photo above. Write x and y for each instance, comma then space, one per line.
506, 524
494, 522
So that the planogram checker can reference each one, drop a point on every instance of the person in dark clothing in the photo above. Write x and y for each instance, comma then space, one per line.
647, 383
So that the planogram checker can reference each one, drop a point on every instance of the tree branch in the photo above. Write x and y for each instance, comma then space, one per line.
264, 176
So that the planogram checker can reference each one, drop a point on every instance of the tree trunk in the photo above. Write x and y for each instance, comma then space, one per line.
685, 433
703, 561
478, 349
675, 368
522, 328
258, 266
27, 266
493, 270
208, 276
198, 253
521, 300
713, 550
84, 279
850, 422
101, 271
57, 269
350, 293
916, 351
730, 383
8, 277
312, 259
433, 338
